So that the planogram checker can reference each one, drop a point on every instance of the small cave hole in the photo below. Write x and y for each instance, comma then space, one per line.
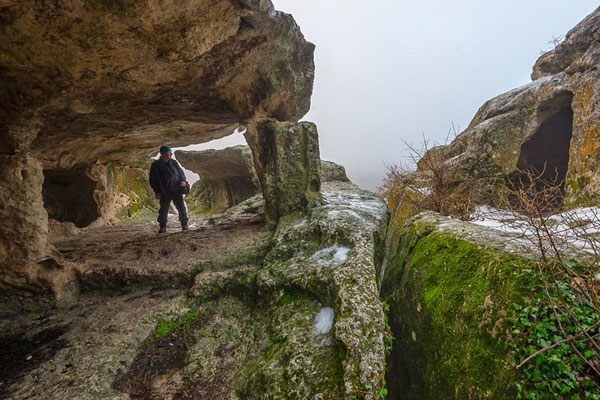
544, 158
68, 195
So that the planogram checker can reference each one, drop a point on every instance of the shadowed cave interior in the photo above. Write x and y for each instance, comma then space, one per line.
545, 156
68, 195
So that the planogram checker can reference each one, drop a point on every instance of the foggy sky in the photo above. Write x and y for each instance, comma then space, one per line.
392, 69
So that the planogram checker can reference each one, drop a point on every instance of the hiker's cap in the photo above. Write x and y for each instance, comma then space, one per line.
165, 149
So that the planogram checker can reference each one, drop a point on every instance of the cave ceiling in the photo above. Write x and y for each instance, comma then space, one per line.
111, 80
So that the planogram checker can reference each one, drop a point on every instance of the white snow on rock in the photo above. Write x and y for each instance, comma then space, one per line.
579, 227
360, 209
301, 224
331, 256
324, 321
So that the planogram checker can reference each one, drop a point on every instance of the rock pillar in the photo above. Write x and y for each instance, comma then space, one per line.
24, 227
26, 258
287, 161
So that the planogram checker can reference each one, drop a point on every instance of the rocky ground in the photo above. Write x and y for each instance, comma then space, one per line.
131, 279
227, 310
135, 254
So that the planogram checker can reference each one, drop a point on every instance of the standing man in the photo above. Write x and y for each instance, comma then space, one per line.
168, 182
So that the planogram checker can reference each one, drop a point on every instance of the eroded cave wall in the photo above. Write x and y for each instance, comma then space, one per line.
68, 196
91, 85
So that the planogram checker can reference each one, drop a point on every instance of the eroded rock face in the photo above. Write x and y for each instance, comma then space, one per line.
115, 80
91, 86
288, 165
228, 177
553, 122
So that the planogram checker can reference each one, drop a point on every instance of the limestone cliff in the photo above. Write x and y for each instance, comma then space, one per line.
549, 126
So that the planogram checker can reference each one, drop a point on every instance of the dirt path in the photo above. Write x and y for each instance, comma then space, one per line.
135, 254
77, 352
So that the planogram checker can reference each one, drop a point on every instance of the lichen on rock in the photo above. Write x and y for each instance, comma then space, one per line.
287, 161
272, 311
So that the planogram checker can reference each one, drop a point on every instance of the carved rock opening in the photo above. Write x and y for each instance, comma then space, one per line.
544, 159
68, 195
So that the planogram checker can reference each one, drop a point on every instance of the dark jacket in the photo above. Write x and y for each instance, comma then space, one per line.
165, 177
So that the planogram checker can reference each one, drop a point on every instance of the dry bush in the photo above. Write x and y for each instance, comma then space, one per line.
431, 186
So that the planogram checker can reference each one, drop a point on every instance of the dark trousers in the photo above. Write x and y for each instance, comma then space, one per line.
165, 201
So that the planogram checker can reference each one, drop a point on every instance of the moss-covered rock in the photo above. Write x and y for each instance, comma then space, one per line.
286, 158
307, 323
136, 198
466, 305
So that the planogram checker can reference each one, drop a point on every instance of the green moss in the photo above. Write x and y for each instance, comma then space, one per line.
449, 318
294, 362
163, 328
133, 183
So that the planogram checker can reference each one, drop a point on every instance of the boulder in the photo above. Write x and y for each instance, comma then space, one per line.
332, 172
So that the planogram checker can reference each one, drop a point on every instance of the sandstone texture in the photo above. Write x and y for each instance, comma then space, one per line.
228, 177
113, 80
549, 127
92, 88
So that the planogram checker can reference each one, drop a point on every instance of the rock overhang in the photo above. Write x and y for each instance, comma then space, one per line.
93, 80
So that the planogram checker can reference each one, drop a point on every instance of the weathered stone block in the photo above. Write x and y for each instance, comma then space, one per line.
288, 164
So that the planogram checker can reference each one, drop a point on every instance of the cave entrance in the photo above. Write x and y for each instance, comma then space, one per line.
544, 158
68, 196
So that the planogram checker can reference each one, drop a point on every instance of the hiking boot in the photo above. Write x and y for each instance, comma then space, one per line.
163, 229
184, 228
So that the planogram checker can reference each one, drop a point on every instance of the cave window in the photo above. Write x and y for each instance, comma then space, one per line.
68, 196
234, 139
545, 156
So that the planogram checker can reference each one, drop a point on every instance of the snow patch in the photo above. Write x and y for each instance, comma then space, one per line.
324, 321
301, 223
530, 85
579, 227
330, 256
